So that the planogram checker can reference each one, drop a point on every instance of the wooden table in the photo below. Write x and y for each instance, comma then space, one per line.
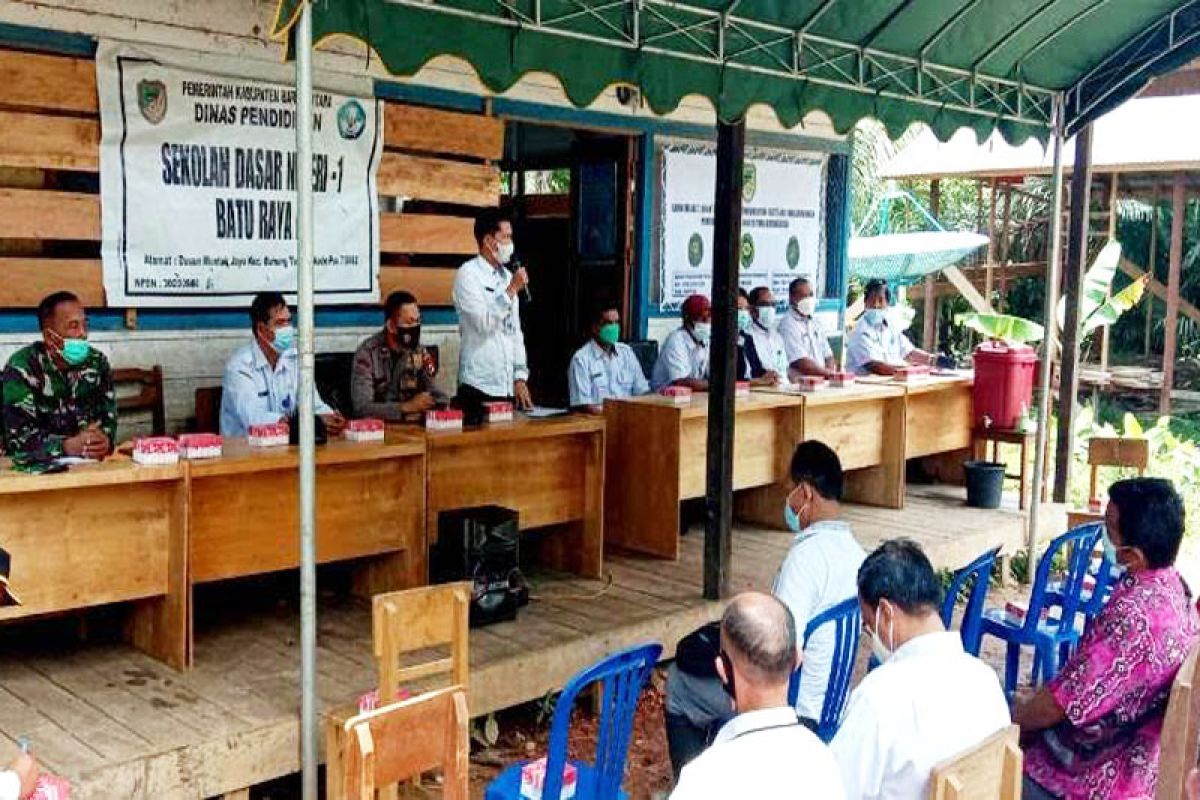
939, 422
656, 458
102, 533
244, 511
550, 471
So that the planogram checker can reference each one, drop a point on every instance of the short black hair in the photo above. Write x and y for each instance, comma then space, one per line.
796, 284
602, 306
488, 222
394, 302
877, 286
1151, 518
761, 628
757, 293
743, 293
816, 464
900, 572
262, 306
50, 304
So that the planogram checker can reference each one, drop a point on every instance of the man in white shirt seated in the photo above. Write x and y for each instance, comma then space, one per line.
764, 752
491, 357
928, 700
764, 346
877, 346
262, 377
683, 359
818, 572
804, 339
604, 367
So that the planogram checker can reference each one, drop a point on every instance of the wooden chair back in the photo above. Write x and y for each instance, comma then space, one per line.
1116, 451
989, 771
208, 409
418, 619
403, 740
1181, 730
149, 396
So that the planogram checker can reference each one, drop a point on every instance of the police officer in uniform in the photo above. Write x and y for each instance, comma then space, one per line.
393, 374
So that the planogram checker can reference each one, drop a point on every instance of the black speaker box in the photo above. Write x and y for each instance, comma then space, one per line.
482, 545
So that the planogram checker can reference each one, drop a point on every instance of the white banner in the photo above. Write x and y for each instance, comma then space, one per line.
197, 184
782, 222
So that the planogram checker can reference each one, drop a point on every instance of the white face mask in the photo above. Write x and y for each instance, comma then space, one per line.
702, 331
807, 306
766, 316
504, 252
881, 651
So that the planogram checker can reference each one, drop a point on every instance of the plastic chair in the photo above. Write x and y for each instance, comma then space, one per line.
979, 570
622, 676
1048, 636
847, 619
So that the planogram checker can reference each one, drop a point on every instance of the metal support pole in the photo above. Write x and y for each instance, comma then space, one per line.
727, 249
304, 286
1077, 253
1053, 265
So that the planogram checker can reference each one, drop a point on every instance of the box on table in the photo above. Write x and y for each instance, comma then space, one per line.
533, 780
370, 700
51, 787
840, 380
365, 430
913, 373
499, 411
741, 389
272, 434
810, 383
680, 395
449, 419
200, 445
155, 450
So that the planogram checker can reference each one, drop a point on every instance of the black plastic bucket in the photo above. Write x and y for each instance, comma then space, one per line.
985, 483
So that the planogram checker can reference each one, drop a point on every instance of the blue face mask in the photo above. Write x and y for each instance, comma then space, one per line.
285, 339
791, 516
75, 351
875, 316
743, 319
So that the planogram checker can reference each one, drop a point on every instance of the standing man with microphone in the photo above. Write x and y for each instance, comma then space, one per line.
491, 361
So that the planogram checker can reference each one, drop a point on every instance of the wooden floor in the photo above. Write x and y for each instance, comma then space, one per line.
121, 725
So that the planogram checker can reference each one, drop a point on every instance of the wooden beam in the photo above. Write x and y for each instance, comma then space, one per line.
967, 289
1077, 232
1158, 289
46, 142
1150, 265
1005, 241
57, 83
25, 281
426, 234
434, 131
438, 180
39, 214
991, 248
929, 330
432, 286
1171, 320
1106, 331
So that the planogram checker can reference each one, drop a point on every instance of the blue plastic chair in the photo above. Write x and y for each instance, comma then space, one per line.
847, 619
971, 628
1049, 637
622, 676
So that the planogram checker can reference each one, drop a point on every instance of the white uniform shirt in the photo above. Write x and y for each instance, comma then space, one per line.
764, 755
597, 375
803, 337
681, 357
254, 394
10, 785
491, 354
929, 702
868, 343
819, 571
768, 345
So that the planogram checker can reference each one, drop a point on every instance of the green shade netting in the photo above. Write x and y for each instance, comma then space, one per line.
982, 64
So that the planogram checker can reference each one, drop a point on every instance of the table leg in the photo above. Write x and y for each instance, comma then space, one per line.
1025, 497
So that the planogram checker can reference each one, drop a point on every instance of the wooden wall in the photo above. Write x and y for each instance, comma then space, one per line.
442, 161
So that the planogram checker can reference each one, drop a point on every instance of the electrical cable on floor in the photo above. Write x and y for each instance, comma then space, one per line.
596, 595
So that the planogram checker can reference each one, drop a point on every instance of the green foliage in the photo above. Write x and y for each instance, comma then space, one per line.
1014, 330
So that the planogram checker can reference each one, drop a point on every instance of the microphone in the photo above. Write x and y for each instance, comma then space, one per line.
515, 264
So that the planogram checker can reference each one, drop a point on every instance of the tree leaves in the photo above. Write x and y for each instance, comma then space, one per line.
1014, 330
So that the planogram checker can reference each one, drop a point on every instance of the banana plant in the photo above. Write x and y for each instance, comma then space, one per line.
1013, 330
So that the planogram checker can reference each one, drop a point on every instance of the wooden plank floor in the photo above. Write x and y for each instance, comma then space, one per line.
121, 725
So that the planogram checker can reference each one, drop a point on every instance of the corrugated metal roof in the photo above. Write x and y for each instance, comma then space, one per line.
1153, 134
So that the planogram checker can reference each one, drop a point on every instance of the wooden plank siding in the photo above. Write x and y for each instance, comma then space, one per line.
49, 115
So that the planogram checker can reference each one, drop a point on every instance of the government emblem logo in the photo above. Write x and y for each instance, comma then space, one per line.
152, 100
351, 120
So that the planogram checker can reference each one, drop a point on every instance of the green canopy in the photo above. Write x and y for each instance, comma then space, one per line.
983, 64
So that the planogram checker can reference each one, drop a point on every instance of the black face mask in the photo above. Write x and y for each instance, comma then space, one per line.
408, 336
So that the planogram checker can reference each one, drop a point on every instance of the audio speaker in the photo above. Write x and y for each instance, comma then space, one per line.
482, 545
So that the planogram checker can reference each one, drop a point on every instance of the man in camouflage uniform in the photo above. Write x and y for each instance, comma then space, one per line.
393, 374
58, 397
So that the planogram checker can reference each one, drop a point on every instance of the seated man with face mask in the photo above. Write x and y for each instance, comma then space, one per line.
928, 700
817, 573
806, 343
262, 377
58, 393
878, 345
683, 359
763, 752
604, 367
392, 377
